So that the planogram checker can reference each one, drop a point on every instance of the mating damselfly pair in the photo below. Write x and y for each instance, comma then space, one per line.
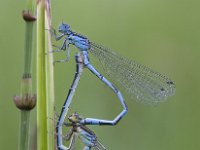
141, 83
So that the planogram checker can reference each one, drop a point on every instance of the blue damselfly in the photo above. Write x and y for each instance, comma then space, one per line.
142, 84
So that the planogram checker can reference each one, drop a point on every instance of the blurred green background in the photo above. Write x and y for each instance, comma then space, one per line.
161, 34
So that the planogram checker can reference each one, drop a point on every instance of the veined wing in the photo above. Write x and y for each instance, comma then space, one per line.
140, 82
99, 145
73, 141
89, 138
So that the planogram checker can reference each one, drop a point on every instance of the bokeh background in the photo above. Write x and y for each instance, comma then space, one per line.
161, 34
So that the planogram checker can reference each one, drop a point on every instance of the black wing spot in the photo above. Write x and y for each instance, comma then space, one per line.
162, 89
170, 82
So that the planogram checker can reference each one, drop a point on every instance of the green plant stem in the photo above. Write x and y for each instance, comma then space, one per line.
24, 130
49, 82
26, 102
28, 48
45, 76
29, 37
41, 79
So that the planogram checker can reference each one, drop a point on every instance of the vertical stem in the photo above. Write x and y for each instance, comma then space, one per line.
24, 130
41, 79
45, 76
26, 101
28, 47
29, 35
49, 79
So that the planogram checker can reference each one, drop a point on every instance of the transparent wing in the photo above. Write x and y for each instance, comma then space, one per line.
73, 141
99, 146
89, 139
140, 82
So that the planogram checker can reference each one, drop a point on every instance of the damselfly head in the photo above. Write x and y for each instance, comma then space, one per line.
64, 28
74, 118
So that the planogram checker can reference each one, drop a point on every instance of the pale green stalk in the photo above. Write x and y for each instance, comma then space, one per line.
49, 80
45, 82
41, 79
